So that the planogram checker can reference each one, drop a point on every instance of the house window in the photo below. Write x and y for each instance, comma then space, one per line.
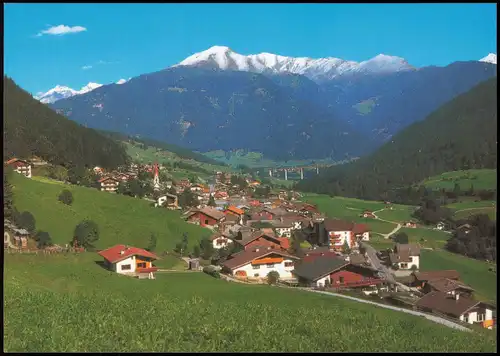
256, 266
411, 259
466, 318
206, 221
481, 317
270, 265
341, 279
141, 265
126, 267
288, 264
256, 275
404, 265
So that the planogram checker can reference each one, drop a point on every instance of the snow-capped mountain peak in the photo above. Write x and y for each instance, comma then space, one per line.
222, 57
490, 58
121, 81
62, 92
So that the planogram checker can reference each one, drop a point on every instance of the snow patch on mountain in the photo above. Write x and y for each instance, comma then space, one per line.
221, 57
62, 92
490, 58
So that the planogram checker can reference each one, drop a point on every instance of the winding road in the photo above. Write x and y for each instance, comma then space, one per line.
396, 229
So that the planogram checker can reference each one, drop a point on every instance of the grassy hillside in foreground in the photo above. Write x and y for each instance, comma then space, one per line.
478, 178
473, 272
121, 219
69, 303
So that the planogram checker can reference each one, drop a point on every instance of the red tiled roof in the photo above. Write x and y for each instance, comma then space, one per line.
284, 242
360, 228
113, 254
14, 160
235, 210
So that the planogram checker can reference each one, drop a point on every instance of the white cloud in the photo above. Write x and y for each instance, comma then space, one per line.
86, 67
61, 30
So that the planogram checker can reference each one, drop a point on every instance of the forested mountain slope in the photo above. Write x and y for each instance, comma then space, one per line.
461, 134
32, 128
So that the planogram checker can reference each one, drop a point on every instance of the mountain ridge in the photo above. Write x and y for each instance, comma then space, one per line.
461, 134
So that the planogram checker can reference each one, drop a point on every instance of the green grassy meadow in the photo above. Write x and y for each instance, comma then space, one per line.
479, 178
350, 209
121, 219
256, 159
473, 272
399, 213
68, 303
433, 238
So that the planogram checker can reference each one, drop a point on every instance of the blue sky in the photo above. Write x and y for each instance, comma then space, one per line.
126, 40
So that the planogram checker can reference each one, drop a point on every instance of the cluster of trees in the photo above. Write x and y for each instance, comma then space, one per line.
477, 242
262, 192
431, 211
85, 235
240, 181
135, 188
460, 135
66, 197
32, 128
188, 199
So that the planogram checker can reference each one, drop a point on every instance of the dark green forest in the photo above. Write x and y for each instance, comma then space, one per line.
462, 134
32, 128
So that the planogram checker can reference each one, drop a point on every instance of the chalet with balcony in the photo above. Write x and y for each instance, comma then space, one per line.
130, 260
109, 184
258, 262
405, 256
206, 217
20, 166
335, 272
264, 239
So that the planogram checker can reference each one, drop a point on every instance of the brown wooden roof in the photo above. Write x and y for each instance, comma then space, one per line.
446, 304
430, 275
338, 225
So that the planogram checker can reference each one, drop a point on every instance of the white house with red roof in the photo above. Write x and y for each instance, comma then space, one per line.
129, 260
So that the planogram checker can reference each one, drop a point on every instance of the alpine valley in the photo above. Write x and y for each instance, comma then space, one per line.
286, 108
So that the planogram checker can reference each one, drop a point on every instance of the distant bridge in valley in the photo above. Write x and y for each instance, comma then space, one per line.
273, 171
